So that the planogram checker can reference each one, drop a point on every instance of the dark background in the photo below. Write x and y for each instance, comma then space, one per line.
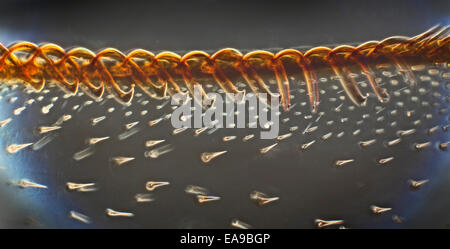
213, 24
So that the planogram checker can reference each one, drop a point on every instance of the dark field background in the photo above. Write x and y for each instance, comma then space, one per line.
212, 24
